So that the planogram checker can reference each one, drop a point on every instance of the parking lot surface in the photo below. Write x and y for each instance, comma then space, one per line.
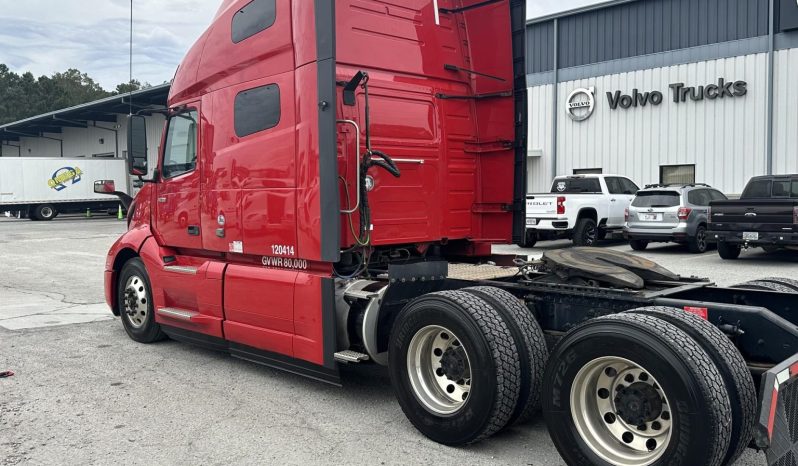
84, 393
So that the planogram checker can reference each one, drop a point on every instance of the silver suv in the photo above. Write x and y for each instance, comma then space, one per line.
670, 213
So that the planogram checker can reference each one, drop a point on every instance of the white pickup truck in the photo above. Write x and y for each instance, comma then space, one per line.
583, 208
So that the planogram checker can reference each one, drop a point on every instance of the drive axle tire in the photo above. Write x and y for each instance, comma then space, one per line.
729, 251
698, 244
136, 308
730, 364
586, 232
530, 240
635, 390
454, 367
768, 285
530, 343
785, 282
638, 244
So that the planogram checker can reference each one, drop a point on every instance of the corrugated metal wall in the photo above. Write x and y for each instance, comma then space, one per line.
539, 169
644, 27
785, 112
540, 47
85, 142
724, 138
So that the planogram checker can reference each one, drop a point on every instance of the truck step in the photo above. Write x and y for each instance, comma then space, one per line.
359, 294
350, 356
181, 269
179, 314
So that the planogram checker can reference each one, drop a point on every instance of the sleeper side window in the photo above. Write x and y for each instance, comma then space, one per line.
254, 17
180, 153
257, 110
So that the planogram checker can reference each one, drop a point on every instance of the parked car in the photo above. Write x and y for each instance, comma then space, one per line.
583, 208
765, 216
671, 213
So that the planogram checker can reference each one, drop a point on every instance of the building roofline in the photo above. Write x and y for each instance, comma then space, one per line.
576, 11
87, 105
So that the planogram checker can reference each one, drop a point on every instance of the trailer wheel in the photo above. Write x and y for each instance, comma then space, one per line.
530, 343
454, 367
634, 390
729, 251
134, 295
768, 285
730, 364
585, 232
638, 244
45, 212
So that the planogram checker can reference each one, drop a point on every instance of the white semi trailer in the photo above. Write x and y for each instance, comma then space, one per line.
40, 188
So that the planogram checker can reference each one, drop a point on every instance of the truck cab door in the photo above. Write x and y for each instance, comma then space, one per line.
177, 214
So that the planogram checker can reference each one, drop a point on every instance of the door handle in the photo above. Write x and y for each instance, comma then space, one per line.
613, 200
162, 200
194, 230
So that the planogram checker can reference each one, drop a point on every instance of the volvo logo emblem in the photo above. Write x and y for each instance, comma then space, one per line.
581, 103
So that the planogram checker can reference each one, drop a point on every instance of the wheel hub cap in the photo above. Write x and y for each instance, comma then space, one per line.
136, 301
439, 370
621, 412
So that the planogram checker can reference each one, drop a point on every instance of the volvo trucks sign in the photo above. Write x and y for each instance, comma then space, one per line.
581, 102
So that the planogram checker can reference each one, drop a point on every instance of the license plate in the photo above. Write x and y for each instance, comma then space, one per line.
748, 236
531, 222
651, 217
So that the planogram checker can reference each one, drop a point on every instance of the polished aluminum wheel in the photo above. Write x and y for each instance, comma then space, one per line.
439, 370
136, 301
47, 212
621, 412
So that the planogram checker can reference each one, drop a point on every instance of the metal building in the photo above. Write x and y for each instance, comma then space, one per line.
665, 91
94, 129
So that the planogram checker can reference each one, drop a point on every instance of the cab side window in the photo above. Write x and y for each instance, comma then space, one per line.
256, 16
257, 110
628, 186
614, 185
180, 153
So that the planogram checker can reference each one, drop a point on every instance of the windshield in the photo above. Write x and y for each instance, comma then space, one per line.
576, 185
657, 199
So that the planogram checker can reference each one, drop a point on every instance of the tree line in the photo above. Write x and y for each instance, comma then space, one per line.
23, 95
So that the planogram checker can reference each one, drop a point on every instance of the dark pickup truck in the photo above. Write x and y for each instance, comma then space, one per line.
765, 216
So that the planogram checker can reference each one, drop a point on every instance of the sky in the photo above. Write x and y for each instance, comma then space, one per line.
47, 36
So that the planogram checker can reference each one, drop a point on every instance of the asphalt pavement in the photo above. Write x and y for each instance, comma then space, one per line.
84, 393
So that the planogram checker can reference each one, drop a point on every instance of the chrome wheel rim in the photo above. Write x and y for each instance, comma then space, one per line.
47, 212
136, 301
439, 370
621, 412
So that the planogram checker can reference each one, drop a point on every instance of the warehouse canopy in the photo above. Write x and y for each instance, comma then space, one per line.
104, 110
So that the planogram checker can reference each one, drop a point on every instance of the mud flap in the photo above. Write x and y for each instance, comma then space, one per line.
777, 427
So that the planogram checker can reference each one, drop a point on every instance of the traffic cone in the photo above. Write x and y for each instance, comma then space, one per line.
88, 213
119, 213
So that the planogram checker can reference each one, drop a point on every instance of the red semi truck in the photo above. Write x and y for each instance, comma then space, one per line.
329, 172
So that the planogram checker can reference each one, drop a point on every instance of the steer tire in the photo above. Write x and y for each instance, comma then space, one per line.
585, 232
638, 244
767, 285
728, 251
679, 379
490, 351
730, 364
530, 343
143, 329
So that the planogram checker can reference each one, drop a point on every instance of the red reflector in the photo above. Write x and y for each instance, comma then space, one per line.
794, 369
774, 401
701, 312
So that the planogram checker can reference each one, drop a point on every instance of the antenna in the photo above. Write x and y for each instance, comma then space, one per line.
130, 97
